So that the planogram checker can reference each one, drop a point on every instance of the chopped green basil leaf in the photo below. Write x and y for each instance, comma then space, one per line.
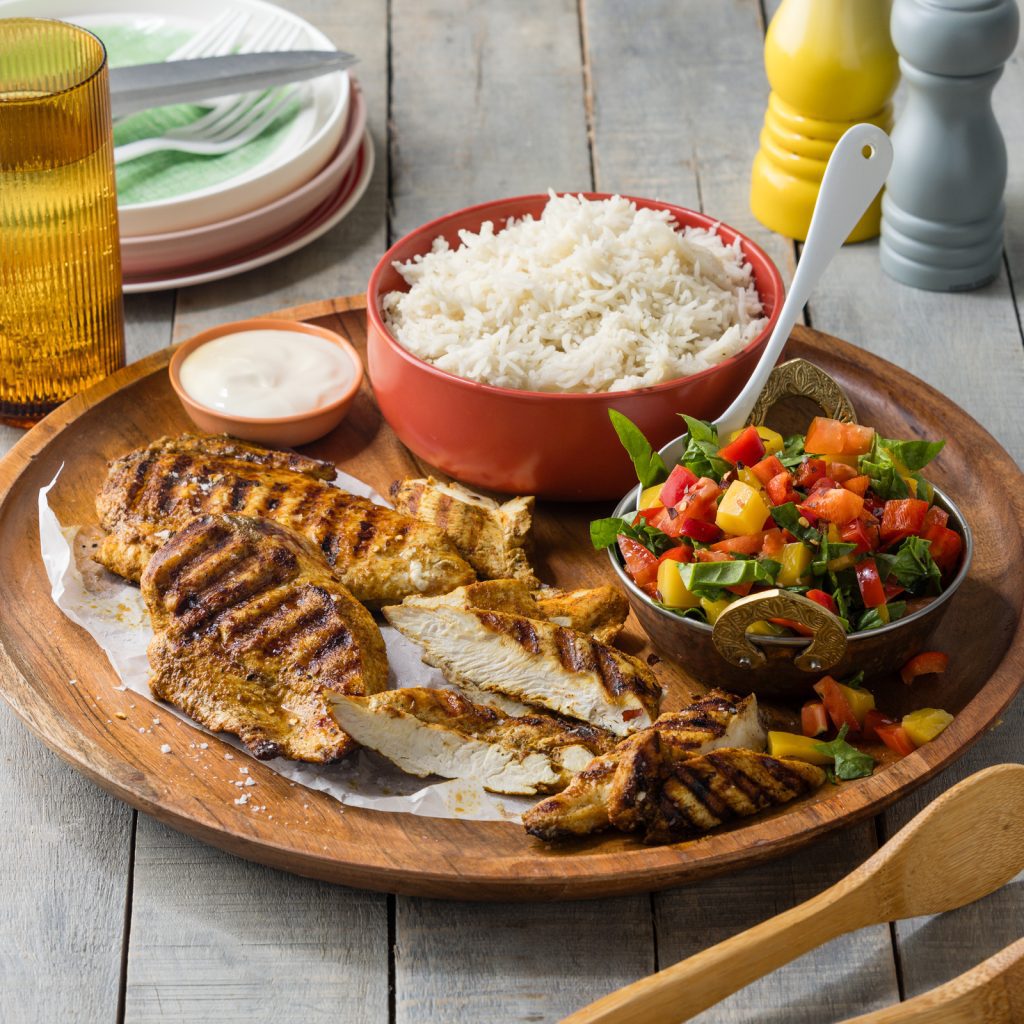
856, 681
912, 455
650, 466
701, 430
707, 579
605, 532
788, 518
828, 551
871, 619
792, 453
914, 567
685, 613
850, 762
701, 455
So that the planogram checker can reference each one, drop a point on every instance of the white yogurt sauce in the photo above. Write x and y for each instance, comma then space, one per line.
266, 374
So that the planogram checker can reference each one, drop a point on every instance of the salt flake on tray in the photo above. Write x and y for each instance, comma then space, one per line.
113, 613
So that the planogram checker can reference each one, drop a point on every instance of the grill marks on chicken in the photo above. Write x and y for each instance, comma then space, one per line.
380, 555
251, 627
688, 773
439, 732
534, 662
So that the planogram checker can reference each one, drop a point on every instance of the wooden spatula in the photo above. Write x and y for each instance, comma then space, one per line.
962, 846
991, 993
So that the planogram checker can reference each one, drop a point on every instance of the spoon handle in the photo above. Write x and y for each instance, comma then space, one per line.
679, 992
856, 171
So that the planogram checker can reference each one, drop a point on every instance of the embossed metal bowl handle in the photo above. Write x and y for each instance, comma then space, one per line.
827, 647
800, 377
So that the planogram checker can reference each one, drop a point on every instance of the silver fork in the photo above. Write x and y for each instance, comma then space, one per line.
216, 40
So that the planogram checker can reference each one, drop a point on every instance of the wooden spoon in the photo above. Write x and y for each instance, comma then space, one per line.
962, 846
991, 993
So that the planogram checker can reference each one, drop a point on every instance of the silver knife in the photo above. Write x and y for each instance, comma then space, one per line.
185, 81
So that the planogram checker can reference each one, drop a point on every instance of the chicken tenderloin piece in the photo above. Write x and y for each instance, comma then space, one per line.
493, 538
251, 627
535, 662
612, 788
380, 555
439, 732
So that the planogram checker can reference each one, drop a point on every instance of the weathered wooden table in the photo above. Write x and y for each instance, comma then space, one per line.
108, 916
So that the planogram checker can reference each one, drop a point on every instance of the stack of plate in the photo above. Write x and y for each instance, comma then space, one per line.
187, 219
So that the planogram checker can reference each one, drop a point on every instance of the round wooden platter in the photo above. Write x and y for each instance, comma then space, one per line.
309, 833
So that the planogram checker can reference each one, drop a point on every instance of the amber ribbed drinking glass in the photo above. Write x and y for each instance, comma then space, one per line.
61, 320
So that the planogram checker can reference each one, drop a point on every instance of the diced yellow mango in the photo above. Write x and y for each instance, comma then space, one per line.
840, 563
796, 562
714, 608
749, 479
911, 485
773, 440
802, 748
742, 510
650, 497
763, 628
833, 534
860, 701
672, 588
925, 724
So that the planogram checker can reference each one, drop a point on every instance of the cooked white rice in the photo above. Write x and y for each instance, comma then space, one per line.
592, 296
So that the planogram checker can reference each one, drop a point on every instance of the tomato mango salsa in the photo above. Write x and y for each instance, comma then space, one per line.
839, 514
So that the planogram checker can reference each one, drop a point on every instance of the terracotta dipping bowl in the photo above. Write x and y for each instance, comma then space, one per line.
558, 446
280, 431
877, 652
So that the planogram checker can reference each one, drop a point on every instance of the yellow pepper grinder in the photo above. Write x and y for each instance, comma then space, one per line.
830, 64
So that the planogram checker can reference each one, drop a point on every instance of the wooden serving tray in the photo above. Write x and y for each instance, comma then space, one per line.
311, 834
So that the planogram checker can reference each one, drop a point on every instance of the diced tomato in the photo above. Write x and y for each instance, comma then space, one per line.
809, 472
780, 489
935, 517
825, 600
895, 737
747, 449
773, 543
797, 627
709, 555
699, 530
824, 437
857, 440
837, 506
748, 544
648, 515
858, 484
814, 718
872, 720
767, 468
945, 546
836, 704
826, 483
640, 563
924, 664
858, 532
683, 553
902, 517
871, 590
840, 472
892, 589
741, 589
679, 481
699, 501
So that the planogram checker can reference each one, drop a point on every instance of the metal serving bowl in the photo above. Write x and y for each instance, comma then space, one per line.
786, 667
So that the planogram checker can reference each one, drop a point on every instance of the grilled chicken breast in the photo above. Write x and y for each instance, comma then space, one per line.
491, 537
439, 732
251, 626
535, 662
599, 611
614, 784
380, 555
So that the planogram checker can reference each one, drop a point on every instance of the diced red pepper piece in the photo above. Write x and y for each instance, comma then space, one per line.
858, 484
742, 589
836, 704
871, 590
841, 472
773, 543
895, 737
825, 437
747, 449
649, 515
640, 563
747, 544
683, 553
892, 589
679, 481
945, 546
780, 489
814, 718
825, 600
825, 483
700, 500
837, 506
872, 720
924, 664
767, 468
809, 472
902, 517
797, 627
863, 534
935, 516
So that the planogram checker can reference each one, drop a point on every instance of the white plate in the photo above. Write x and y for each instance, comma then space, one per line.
308, 144
321, 221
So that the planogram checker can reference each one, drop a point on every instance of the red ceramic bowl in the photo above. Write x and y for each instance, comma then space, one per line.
558, 446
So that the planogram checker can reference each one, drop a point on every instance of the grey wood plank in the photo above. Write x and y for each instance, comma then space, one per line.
215, 938
669, 122
147, 323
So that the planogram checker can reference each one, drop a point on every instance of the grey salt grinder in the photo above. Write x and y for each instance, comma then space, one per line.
942, 211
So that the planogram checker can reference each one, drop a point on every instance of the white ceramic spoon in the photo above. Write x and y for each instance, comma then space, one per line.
855, 173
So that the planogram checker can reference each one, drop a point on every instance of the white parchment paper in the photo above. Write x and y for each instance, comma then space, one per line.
114, 614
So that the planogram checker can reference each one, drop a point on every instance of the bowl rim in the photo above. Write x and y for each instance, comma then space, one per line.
185, 348
435, 226
696, 625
